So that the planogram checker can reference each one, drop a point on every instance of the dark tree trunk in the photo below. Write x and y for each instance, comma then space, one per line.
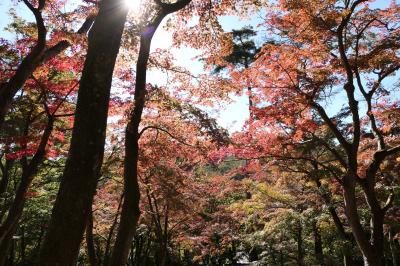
299, 239
372, 253
78, 184
4, 184
162, 254
23, 244
91, 250
130, 208
111, 233
6, 247
394, 248
146, 252
317, 244
11, 256
5, 176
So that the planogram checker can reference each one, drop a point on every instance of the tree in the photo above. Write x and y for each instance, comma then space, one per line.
78, 185
337, 50
12, 82
243, 54
37, 152
130, 208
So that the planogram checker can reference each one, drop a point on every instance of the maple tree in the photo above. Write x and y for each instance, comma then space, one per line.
102, 165
42, 50
329, 50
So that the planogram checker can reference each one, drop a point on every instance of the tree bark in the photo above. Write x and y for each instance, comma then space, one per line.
78, 184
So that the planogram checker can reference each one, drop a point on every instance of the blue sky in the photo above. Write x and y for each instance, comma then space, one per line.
236, 113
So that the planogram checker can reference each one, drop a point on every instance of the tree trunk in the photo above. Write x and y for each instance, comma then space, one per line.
394, 248
11, 257
3, 186
372, 254
130, 209
300, 251
23, 245
317, 244
5, 176
347, 256
78, 184
377, 220
162, 254
111, 233
6, 247
91, 250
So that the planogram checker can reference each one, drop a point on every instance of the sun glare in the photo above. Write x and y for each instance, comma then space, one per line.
133, 5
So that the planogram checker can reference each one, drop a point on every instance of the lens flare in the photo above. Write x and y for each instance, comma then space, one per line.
133, 5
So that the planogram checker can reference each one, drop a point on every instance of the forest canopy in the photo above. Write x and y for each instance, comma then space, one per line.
193, 132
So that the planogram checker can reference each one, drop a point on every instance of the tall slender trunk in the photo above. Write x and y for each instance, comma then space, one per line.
299, 239
376, 222
23, 245
394, 248
91, 250
162, 254
130, 209
11, 257
317, 244
3, 186
163, 239
5, 176
111, 233
78, 184
6, 246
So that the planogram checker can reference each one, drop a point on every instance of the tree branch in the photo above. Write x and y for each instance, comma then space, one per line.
172, 7
64, 44
165, 131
